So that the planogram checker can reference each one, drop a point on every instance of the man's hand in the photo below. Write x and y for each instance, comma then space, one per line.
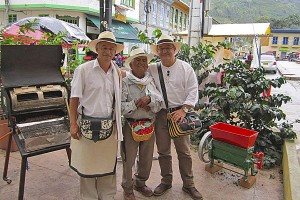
123, 73
147, 108
143, 102
178, 115
75, 131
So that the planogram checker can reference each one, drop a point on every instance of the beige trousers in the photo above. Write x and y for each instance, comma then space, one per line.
182, 146
100, 188
144, 161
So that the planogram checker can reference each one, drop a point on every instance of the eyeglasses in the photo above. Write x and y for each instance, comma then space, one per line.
164, 49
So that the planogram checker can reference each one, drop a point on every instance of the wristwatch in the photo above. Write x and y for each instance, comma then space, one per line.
185, 109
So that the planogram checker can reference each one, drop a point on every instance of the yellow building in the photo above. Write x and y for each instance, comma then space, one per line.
281, 42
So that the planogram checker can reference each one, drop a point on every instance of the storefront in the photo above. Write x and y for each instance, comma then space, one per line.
123, 32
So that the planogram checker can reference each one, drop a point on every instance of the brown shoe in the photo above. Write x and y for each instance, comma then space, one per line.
161, 189
144, 190
128, 196
193, 192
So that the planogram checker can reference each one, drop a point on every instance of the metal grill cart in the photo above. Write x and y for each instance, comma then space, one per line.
35, 100
233, 145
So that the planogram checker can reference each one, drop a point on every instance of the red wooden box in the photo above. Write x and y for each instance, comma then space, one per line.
234, 135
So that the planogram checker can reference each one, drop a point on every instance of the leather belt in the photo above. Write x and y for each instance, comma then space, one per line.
136, 120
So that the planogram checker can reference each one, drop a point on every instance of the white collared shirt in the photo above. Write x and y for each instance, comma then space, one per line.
181, 83
94, 88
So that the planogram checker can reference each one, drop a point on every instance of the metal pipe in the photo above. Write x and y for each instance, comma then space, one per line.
108, 14
9, 143
202, 20
22, 178
190, 24
101, 15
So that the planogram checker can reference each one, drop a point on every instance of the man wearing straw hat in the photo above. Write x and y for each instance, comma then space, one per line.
96, 91
182, 94
140, 101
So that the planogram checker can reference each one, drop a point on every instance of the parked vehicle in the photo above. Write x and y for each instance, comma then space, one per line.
268, 62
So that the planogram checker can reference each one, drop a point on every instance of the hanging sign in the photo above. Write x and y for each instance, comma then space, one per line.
120, 17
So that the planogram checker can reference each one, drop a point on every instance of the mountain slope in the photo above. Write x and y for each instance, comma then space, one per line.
243, 11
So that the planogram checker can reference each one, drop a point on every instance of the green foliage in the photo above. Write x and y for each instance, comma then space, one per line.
292, 21
241, 11
241, 103
146, 40
200, 56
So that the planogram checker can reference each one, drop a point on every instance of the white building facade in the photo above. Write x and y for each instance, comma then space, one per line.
167, 15
79, 12
128, 16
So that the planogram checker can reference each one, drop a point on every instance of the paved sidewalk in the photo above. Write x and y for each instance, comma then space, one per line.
50, 178
290, 70
291, 149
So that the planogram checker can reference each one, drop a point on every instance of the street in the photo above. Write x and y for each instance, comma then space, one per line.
291, 109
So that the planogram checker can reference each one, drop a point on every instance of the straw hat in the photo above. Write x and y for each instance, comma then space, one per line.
165, 39
137, 53
105, 36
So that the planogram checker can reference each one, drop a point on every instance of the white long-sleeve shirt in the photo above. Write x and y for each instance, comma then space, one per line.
180, 81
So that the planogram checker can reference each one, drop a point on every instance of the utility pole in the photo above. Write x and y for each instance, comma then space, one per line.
6, 12
101, 17
147, 9
105, 15
108, 13
196, 22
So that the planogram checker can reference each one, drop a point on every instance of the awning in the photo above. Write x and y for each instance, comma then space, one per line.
250, 29
284, 49
123, 32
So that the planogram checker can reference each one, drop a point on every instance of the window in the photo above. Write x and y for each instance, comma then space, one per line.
72, 20
285, 41
43, 15
180, 19
296, 41
129, 3
172, 17
12, 18
162, 14
154, 12
275, 40
176, 16
185, 22
167, 16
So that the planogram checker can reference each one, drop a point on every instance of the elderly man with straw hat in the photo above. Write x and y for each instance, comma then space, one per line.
140, 101
181, 88
96, 99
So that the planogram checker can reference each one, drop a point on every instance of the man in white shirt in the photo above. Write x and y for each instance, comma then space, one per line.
182, 93
96, 92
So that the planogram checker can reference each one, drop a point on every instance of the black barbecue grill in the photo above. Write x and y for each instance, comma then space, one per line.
35, 100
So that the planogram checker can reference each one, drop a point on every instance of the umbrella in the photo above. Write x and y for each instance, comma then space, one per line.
47, 24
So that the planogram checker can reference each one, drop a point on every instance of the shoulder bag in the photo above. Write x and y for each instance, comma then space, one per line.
191, 122
96, 128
